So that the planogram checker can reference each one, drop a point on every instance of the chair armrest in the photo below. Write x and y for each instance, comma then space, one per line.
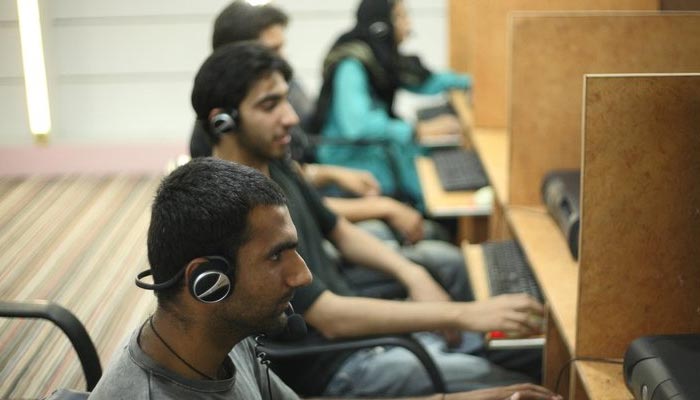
268, 349
69, 324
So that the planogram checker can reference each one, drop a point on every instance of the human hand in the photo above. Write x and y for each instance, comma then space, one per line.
445, 124
404, 219
516, 314
525, 391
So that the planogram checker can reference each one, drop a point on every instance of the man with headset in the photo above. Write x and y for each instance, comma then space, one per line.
266, 24
240, 94
222, 250
241, 21
422, 241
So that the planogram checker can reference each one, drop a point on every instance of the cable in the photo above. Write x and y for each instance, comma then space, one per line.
262, 357
594, 359
153, 328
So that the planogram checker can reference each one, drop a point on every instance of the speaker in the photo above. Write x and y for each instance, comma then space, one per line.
211, 282
223, 123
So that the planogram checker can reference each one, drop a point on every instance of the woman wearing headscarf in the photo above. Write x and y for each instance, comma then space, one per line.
361, 75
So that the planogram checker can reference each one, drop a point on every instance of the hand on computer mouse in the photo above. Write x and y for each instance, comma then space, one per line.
517, 315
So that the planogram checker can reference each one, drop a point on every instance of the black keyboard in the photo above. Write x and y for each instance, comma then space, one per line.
459, 169
435, 111
508, 270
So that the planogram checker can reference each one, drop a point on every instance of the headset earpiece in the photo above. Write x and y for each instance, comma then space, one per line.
212, 281
379, 29
223, 123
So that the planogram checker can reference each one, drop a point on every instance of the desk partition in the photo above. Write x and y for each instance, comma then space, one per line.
550, 54
635, 138
479, 44
640, 227
640, 224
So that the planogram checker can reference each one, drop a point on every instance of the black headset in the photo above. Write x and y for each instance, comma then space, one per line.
211, 282
223, 123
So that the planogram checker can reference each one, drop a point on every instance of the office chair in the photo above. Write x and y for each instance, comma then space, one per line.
271, 350
70, 325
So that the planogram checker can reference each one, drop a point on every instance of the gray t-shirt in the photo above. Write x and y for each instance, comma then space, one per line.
134, 375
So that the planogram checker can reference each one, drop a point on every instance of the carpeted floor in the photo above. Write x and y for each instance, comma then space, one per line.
78, 241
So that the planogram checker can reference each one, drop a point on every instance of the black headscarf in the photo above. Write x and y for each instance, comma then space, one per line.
373, 43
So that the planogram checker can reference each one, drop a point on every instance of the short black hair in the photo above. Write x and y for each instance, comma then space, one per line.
243, 21
228, 74
201, 209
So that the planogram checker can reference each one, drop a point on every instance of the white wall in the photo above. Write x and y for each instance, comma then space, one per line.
120, 72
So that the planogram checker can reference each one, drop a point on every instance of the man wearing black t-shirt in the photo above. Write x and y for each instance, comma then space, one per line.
240, 95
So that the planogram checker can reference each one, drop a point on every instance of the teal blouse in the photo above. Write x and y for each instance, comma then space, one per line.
357, 113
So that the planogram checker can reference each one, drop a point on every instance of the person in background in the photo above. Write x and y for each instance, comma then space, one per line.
361, 75
240, 21
384, 216
422, 241
248, 83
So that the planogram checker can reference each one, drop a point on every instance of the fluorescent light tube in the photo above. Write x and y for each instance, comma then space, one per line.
34, 68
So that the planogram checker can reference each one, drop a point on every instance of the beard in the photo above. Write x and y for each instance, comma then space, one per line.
249, 323
259, 149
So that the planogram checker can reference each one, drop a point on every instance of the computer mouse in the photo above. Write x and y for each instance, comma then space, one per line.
484, 196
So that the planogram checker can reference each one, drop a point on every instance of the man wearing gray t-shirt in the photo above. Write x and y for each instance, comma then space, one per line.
222, 250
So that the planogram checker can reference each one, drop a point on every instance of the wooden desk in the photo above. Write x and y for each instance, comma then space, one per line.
603, 380
460, 103
473, 217
493, 147
476, 270
440, 203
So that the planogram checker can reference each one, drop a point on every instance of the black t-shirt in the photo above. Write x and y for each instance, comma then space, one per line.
308, 376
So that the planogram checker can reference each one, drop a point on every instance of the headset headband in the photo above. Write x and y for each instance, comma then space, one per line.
157, 286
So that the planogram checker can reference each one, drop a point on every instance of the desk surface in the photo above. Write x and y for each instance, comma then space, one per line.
459, 102
476, 270
603, 380
492, 147
438, 202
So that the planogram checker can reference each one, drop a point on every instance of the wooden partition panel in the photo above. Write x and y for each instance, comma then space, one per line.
462, 36
686, 5
479, 44
551, 53
640, 216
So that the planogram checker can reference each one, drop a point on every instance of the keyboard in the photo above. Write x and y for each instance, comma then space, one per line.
508, 270
459, 169
435, 111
